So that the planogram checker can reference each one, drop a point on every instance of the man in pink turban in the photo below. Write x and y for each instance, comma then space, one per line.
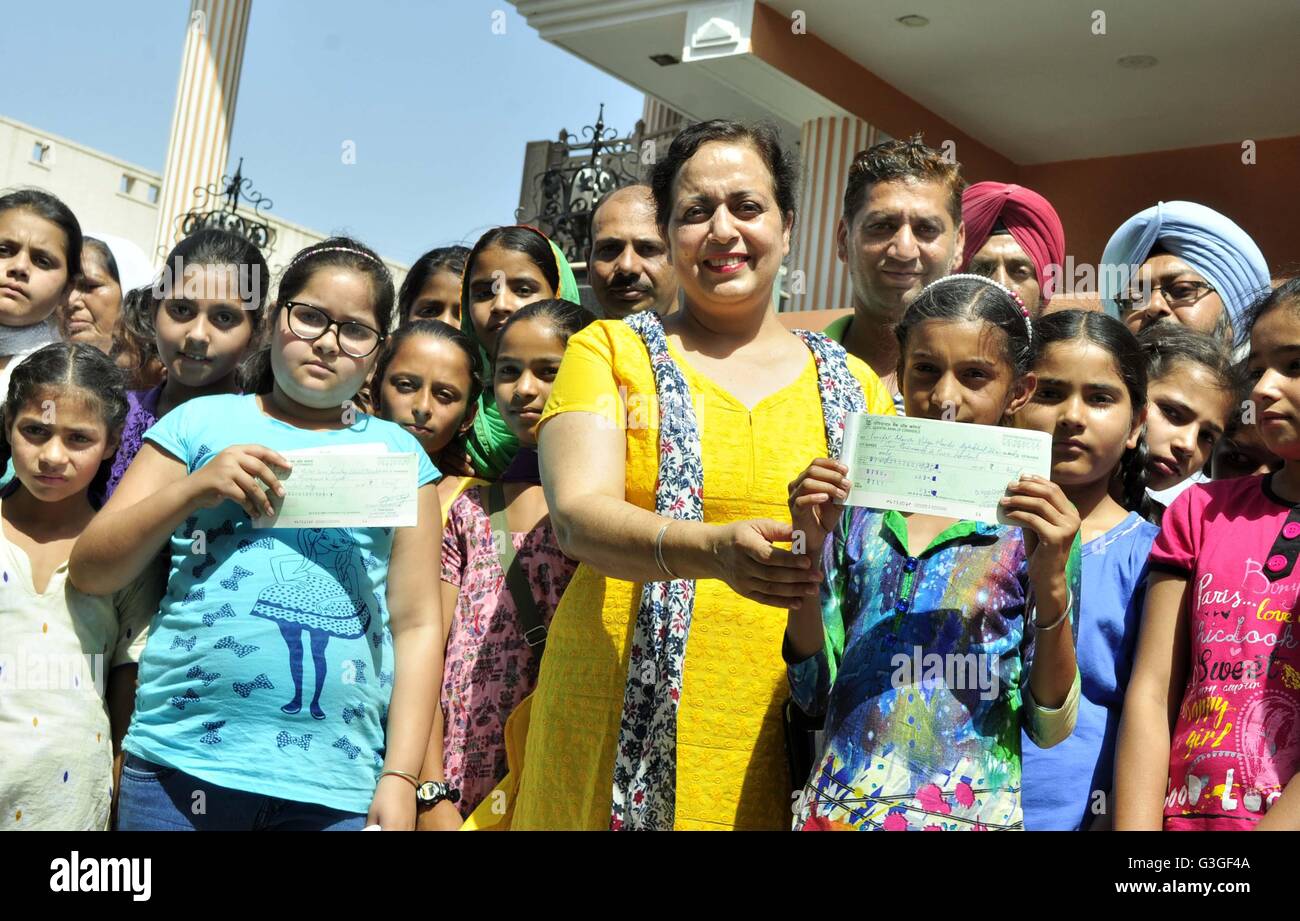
1014, 236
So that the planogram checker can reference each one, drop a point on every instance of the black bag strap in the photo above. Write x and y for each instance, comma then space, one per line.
529, 617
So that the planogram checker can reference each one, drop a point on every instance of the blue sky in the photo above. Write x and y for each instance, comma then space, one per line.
438, 106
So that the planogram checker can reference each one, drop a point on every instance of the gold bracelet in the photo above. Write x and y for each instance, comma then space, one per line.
411, 778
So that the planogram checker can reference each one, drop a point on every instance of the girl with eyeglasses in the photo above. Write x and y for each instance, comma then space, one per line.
290, 674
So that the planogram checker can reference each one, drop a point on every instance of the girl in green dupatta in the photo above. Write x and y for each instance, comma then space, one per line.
507, 268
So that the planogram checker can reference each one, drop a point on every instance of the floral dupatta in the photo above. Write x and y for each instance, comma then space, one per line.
645, 762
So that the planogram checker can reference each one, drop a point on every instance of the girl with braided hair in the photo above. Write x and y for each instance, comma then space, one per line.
1092, 397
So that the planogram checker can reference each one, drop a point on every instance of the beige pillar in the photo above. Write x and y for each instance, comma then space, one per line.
659, 118
205, 110
827, 146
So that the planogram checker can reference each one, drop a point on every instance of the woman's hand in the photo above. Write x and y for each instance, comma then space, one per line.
745, 559
234, 474
813, 509
1051, 523
442, 817
393, 808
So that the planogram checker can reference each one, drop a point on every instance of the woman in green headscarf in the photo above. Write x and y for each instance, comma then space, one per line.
507, 268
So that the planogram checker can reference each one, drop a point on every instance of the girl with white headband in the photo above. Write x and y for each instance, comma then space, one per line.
937, 639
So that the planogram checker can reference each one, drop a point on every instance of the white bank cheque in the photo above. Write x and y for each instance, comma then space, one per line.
346, 489
951, 469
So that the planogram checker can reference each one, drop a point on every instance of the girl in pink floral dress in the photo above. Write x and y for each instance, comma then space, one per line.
498, 630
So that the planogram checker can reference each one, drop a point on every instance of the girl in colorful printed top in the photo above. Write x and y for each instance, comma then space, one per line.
928, 625
1091, 396
272, 664
504, 595
204, 318
1190, 393
67, 659
427, 380
1210, 737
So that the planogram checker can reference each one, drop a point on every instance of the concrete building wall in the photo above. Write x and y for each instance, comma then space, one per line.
108, 195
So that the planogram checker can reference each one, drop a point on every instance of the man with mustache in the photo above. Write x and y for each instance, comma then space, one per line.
628, 266
1015, 237
901, 230
1181, 262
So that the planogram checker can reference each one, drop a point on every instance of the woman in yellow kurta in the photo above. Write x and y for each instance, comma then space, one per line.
725, 200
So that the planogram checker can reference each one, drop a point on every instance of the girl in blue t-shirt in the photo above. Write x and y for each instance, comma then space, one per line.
1091, 396
290, 674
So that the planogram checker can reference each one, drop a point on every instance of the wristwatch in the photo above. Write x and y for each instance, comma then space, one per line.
433, 792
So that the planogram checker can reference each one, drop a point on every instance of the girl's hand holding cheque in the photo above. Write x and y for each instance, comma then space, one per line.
234, 474
1051, 523
815, 510
816, 498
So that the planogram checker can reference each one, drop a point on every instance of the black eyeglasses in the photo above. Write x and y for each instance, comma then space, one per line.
309, 323
1177, 294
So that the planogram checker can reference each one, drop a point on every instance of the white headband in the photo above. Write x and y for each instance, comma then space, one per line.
1024, 312
338, 249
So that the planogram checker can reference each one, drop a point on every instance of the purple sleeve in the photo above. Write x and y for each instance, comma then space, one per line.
139, 418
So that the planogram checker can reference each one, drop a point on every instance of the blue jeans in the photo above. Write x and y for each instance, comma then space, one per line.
155, 797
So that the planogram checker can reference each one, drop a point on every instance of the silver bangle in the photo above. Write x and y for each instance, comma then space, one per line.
1069, 606
659, 552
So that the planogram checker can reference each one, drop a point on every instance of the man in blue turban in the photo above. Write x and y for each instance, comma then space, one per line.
1185, 263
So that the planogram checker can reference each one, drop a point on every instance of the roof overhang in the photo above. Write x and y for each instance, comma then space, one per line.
717, 73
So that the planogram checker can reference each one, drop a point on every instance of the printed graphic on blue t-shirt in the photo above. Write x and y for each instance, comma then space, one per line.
270, 665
